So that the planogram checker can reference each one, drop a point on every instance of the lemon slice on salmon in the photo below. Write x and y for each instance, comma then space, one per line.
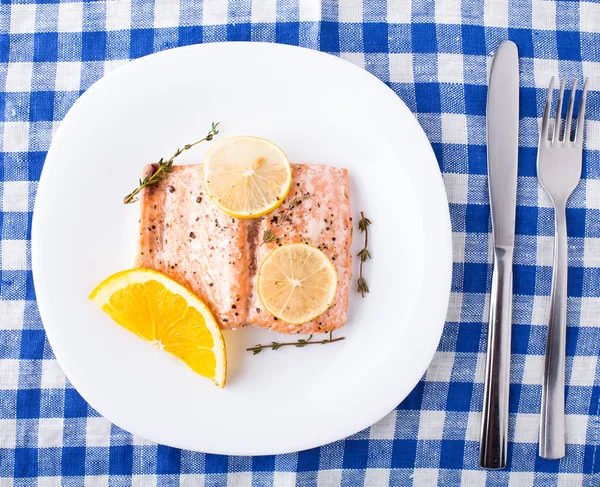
297, 283
166, 314
247, 177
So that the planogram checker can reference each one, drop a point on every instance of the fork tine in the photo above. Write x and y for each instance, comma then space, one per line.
581, 117
567, 134
557, 121
546, 117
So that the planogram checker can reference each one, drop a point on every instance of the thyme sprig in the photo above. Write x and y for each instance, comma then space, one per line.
285, 214
164, 167
302, 342
364, 254
268, 236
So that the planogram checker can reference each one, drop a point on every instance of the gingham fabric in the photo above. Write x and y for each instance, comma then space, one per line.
435, 56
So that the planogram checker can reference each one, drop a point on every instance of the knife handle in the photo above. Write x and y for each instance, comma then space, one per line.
494, 428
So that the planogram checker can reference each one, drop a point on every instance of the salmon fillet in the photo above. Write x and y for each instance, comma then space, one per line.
187, 237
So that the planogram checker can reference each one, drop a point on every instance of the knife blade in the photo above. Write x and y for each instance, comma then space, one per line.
502, 146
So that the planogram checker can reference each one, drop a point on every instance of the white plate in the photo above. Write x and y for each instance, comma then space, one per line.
318, 108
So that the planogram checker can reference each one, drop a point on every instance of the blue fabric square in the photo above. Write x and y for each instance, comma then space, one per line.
190, 35
527, 102
527, 219
569, 45
459, 396
424, 38
32, 344
35, 162
4, 48
477, 159
287, 33
524, 41
75, 405
73, 460
477, 218
527, 161
575, 281
168, 460
375, 37
475, 99
26, 462
120, 460
239, 32
141, 42
93, 46
452, 454
308, 460
414, 399
28, 403
41, 106
475, 277
355, 453
404, 453
469, 337
473, 40
428, 97
45, 47
264, 463
520, 338
576, 222
524, 279
216, 464
330, 37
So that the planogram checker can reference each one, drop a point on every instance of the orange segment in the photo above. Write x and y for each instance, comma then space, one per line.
166, 314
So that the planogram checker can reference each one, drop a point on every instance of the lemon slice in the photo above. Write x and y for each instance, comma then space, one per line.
166, 314
297, 283
247, 177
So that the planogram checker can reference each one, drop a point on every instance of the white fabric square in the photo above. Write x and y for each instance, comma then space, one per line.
591, 70
576, 428
440, 369
457, 188
15, 194
22, 19
239, 479
214, 13
166, 14
70, 16
583, 371
527, 428
431, 425
385, 428
543, 16
9, 374
18, 76
589, 16
377, 477
545, 251
8, 438
284, 479
590, 307
425, 477
264, 11
97, 432
455, 302
350, 10
16, 137
49, 482
450, 68
68, 76
143, 480
592, 127
401, 68
592, 193
480, 368
520, 479
472, 477
473, 432
138, 440
533, 372
570, 479
113, 64
454, 128
543, 70
14, 255
50, 432
329, 478
541, 310
53, 376
11, 314
310, 11
495, 13
448, 11
357, 58
96, 481
191, 480
118, 15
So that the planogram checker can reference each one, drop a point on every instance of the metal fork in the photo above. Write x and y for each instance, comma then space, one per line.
559, 163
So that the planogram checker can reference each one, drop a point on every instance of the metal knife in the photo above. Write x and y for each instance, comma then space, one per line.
502, 147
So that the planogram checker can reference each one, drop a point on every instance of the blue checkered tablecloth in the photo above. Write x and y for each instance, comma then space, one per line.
435, 55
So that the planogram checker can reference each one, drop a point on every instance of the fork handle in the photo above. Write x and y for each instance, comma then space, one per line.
494, 427
552, 419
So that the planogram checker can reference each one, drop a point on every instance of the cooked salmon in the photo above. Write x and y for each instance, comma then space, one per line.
184, 235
